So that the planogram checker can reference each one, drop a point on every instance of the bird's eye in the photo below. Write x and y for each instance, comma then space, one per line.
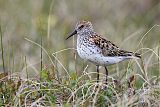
81, 26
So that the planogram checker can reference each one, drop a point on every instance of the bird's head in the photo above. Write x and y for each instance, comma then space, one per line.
82, 27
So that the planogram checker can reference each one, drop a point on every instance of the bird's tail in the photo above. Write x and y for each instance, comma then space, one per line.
128, 53
137, 55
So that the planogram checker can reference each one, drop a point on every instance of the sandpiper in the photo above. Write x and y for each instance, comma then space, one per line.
94, 48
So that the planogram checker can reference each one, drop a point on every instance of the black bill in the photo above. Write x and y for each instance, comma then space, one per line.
73, 33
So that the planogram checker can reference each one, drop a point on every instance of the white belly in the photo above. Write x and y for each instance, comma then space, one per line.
99, 59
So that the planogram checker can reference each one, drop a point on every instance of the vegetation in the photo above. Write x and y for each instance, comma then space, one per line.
38, 67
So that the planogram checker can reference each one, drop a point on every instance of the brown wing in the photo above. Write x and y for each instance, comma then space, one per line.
110, 49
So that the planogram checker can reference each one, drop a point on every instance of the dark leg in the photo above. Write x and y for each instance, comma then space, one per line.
106, 74
97, 67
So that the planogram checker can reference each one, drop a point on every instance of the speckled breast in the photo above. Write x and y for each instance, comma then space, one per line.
85, 48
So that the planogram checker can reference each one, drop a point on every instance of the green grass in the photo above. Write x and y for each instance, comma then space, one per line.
76, 92
72, 89
39, 68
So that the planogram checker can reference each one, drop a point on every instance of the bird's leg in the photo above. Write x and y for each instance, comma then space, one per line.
97, 68
106, 74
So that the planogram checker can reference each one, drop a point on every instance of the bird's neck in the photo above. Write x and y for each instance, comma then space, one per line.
86, 34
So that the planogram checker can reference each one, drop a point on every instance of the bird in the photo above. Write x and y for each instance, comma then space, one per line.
98, 50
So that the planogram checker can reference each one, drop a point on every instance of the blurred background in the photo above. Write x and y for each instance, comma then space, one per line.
124, 22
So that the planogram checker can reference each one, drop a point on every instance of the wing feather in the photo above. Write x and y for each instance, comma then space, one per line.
109, 48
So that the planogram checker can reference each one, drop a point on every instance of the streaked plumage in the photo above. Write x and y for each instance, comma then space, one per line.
96, 49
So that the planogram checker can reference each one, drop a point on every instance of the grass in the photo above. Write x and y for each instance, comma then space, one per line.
79, 90
39, 70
